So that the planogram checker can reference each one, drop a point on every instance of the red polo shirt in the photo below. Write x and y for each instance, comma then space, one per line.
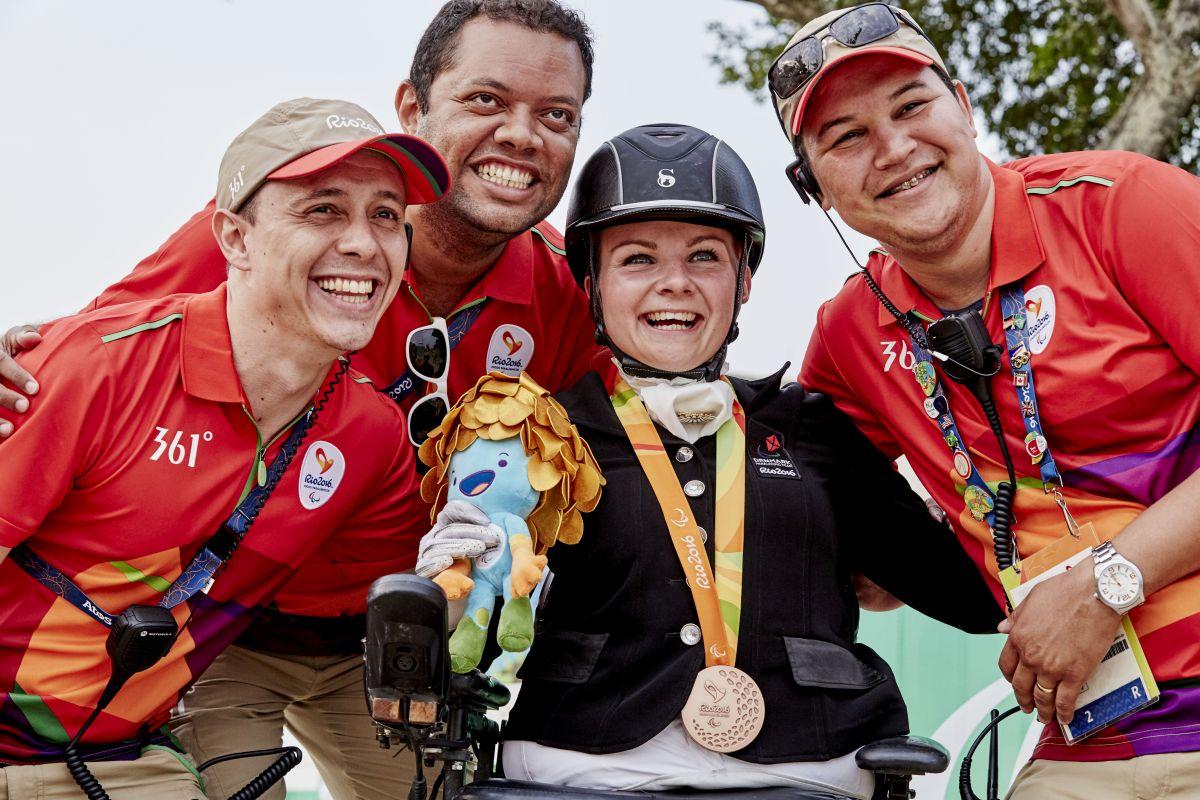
138, 447
1103, 245
534, 317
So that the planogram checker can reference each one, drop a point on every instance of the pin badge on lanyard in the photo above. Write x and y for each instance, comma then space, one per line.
978, 497
1012, 311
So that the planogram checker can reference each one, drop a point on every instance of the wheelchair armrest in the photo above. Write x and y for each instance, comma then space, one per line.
476, 691
903, 755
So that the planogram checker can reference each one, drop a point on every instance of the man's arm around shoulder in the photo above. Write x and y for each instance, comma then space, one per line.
54, 441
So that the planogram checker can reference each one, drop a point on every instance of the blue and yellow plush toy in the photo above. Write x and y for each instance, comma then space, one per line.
507, 448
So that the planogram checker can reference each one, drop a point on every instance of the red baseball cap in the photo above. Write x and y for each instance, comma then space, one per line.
908, 42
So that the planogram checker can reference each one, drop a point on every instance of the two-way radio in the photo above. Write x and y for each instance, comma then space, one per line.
140, 637
968, 356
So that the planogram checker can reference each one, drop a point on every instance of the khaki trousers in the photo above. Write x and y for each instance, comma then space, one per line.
1170, 776
160, 774
245, 698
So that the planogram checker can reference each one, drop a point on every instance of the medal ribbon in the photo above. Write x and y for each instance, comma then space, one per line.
978, 496
717, 595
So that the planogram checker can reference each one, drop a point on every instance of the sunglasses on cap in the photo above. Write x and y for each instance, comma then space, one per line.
858, 27
428, 354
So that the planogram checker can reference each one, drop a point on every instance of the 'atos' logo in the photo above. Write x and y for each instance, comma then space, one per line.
666, 178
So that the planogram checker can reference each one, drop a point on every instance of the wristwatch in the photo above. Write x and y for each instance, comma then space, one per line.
1118, 580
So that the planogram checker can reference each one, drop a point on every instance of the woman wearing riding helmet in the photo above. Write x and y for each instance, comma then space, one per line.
709, 607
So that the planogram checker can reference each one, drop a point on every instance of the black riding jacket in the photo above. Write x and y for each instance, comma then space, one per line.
609, 668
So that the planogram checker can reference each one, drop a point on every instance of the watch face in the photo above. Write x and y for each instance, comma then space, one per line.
1118, 584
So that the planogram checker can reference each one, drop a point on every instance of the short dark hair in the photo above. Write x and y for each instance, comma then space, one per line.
248, 210
435, 52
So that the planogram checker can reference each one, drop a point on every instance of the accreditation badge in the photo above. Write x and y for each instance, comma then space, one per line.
1122, 683
725, 709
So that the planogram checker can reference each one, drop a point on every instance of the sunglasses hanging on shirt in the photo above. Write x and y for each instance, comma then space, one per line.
428, 352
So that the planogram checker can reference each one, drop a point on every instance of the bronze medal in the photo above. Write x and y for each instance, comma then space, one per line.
725, 709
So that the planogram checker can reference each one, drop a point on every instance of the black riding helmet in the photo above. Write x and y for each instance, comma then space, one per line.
671, 172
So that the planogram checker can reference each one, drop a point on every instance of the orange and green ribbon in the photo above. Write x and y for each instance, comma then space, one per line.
717, 595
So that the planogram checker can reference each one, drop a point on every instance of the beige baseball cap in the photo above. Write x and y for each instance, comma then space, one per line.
908, 42
304, 136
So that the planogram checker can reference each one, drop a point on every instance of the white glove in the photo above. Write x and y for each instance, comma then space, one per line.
461, 531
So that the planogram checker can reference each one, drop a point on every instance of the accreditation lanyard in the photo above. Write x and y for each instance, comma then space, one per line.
979, 498
203, 569
717, 595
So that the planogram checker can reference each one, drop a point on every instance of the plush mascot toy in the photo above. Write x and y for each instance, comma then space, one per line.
507, 448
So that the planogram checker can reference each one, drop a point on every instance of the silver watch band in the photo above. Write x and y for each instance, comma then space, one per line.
1103, 552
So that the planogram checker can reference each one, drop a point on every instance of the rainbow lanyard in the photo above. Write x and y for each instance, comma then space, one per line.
978, 497
718, 596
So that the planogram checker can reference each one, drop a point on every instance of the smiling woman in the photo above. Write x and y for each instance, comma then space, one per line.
668, 290
733, 517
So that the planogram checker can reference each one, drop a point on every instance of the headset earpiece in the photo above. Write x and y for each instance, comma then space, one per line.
408, 234
803, 181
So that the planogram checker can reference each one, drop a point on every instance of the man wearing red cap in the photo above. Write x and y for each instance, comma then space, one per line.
159, 417
1061, 259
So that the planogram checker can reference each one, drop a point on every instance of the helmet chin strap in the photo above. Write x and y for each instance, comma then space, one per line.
708, 371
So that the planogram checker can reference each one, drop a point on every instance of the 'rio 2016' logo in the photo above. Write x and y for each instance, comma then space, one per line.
321, 473
510, 350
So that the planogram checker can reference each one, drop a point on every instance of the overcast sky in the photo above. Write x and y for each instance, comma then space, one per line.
116, 115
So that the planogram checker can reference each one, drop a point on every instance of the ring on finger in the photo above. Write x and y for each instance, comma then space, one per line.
1037, 685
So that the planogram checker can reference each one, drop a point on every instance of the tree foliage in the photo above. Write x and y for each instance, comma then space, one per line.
1045, 76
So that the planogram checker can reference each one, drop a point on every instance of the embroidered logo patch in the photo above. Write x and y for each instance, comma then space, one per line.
321, 472
771, 459
510, 350
1040, 314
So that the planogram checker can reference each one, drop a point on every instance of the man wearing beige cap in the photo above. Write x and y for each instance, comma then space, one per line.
160, 418
1020, 340
498, 86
